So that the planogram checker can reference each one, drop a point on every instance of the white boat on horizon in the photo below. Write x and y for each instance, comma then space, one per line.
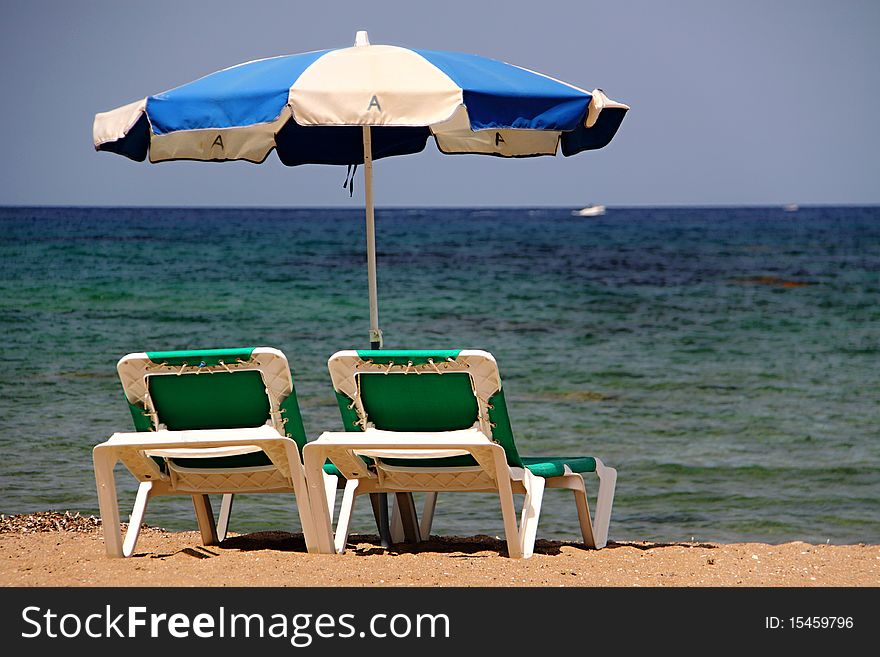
792, 207
589, 211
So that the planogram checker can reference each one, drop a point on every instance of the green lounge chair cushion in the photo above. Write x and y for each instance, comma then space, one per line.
201, 356
554, 466
542, 466
425, 401
252, 460
403, 356
210, 401
219, 400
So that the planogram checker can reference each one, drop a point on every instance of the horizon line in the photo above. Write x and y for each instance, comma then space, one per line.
673, 206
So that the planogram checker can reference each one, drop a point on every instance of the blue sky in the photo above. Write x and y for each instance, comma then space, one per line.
734, 103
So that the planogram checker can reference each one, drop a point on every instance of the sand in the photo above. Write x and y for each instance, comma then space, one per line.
51, 550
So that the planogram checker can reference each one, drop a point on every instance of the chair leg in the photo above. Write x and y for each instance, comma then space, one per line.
136, 521
508, 514
531, 511
409, 521
604, 501
104, 460
583, 509
314, 523
396, 527
314, 484
205, 518
331, 482
225, 513
428, 515
345, 511
379, 501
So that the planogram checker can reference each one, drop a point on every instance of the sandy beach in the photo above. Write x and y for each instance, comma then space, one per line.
59, 550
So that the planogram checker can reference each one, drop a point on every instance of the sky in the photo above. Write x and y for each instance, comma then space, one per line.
733, 103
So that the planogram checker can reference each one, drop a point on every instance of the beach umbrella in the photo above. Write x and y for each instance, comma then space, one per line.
350, 106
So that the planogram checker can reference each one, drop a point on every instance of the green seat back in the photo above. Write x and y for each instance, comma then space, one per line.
425, 401
219, 400
210, 401
201, 356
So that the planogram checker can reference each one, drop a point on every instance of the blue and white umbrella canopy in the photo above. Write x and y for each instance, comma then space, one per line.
353, 105
310, 107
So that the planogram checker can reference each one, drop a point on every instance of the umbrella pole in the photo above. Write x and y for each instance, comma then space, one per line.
375, 333
378, 500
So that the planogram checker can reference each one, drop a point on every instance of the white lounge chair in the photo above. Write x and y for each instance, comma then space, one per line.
435, 421
220, 421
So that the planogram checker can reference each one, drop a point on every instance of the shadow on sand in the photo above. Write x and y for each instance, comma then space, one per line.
455, 546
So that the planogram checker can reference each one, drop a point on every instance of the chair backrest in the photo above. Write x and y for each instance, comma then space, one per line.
211, 389
439, 390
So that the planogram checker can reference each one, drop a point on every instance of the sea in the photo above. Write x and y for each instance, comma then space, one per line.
726, 361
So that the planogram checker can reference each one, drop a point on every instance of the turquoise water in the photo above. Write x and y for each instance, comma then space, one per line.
725, 361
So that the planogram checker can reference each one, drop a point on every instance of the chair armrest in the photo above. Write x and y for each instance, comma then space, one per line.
193, 438
344, 447
376, 439
133, 448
